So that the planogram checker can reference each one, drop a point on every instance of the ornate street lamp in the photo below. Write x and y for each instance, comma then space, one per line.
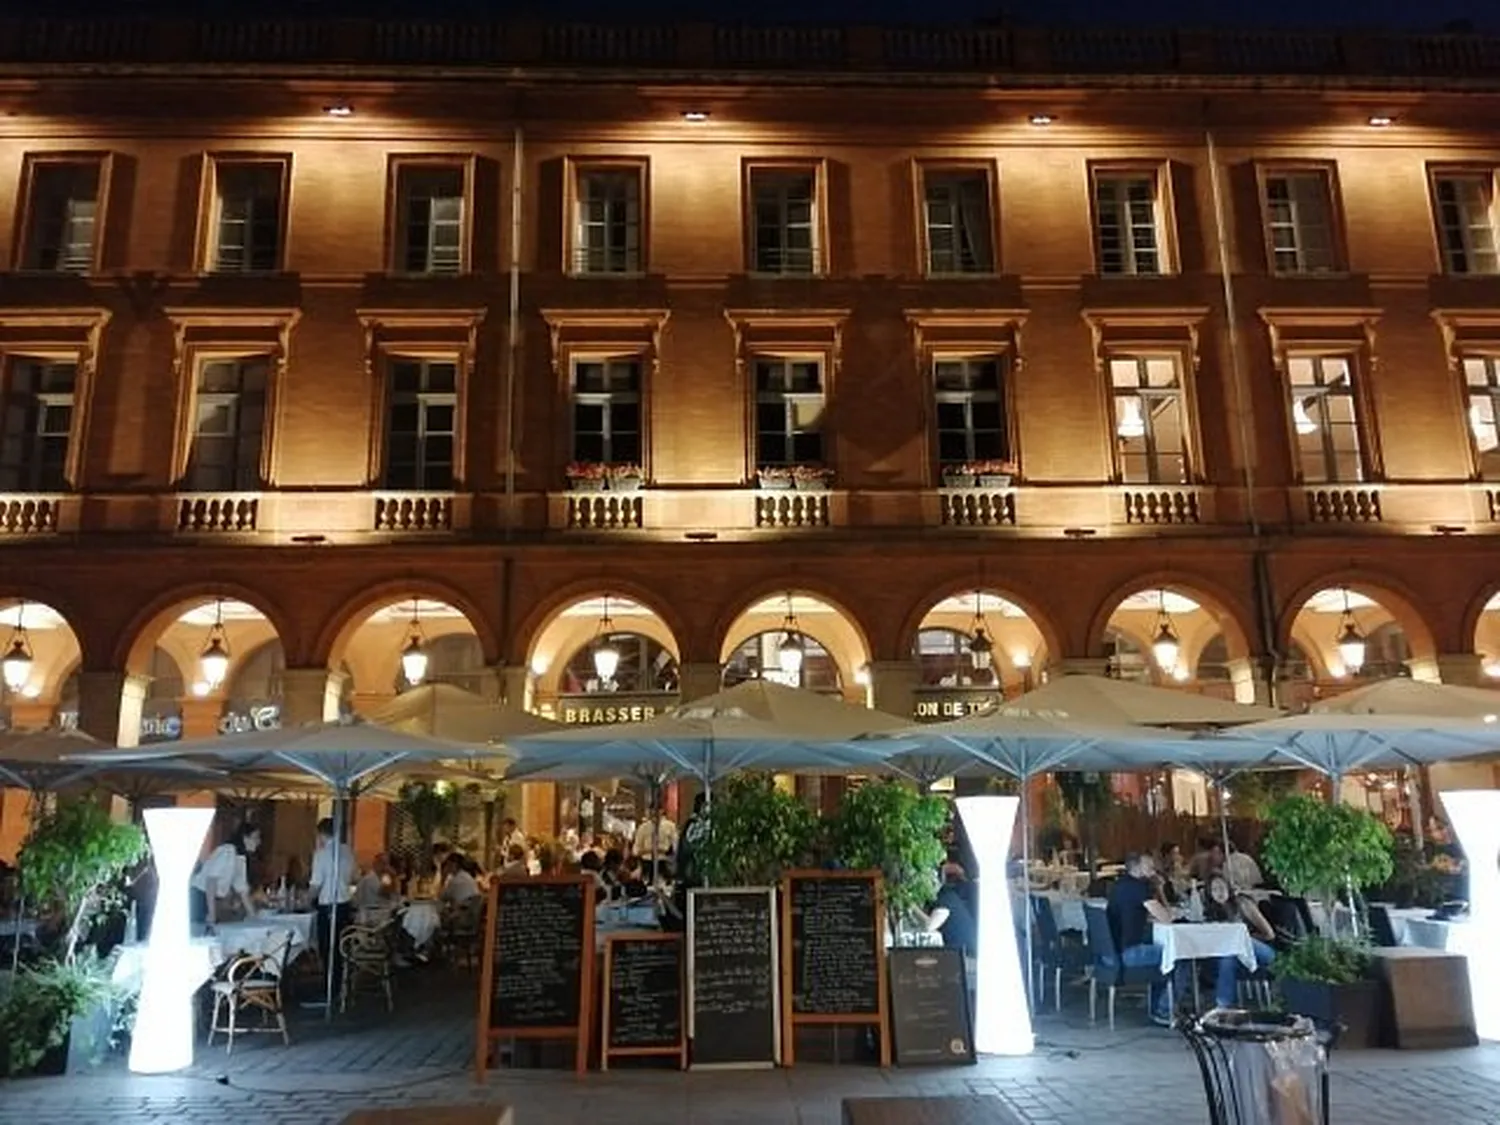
15, 665
606, 655
414, 657
792, 650
213, 661
1351, 642
1165, 647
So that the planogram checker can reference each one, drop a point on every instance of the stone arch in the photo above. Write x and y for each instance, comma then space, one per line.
1392, 596
333, 639
1474, 614
544, 614
53, 658
145, 630
850, 652
1051, 639
1234, 615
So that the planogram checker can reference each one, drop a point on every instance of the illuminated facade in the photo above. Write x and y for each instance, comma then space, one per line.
507, 339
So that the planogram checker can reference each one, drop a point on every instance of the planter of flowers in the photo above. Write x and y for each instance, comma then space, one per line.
956, 478
991, 474
774, 479
625, 478
811, 478
586, 476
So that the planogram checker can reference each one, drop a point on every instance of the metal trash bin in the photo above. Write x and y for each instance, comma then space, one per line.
1260, 1068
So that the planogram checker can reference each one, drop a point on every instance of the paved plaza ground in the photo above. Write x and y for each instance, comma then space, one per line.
421, 1057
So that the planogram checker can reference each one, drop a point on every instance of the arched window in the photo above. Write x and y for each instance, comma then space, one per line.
1125, 659
943, 660
759, 657
1386, 652
452, 658
645, 666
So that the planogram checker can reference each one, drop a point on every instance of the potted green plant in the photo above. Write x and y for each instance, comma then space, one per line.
755, 832
1315, 849
957, 476
624, 477
890, 826
73, 866
774, 478
585, 476
993, 473
431, 807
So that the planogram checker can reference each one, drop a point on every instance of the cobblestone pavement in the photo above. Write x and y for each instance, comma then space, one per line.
421, 1057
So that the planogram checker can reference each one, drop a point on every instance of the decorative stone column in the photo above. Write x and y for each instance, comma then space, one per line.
698, 680
512, 685
893, 683
109, 706
309, 695
1465, 669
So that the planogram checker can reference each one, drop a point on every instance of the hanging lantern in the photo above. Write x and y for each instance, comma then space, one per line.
1165, 647
606, 655
1351, 642
981, 648
792, 650
414, 658
16, 664
213, 661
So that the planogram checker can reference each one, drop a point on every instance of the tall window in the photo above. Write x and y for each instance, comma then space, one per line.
36, 420
1299, 222
1325, 418
247, 216
431, 217
228, 425
970, 398
783, 221
421, 424
1482, 377
1127, 211
1466, 221
607, 234
607, 411
958, 223
788, 411
62, 216
1150, 419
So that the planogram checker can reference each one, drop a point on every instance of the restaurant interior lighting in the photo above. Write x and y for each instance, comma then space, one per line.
1021, 659
1165, 647
163, 1038
792, 650
339, 109
606, 655
1475, 816
1041, 120
1381, 120
1351, 642
414, 655
213, 661
695, 115
15, 665
981, 648
1002, 1018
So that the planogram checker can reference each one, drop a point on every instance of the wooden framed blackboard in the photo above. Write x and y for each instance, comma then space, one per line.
734, 977
538, 977
833, 937
643, 997
931, 1024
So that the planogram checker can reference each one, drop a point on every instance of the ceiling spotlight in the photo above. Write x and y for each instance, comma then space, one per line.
695, 115
1041, 119
1381, 120
339, 109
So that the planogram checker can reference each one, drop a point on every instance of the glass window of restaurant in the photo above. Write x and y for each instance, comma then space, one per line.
944, 660
970, 394
645, 667
759, 658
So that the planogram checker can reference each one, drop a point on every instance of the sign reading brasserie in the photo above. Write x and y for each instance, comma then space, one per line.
596, 710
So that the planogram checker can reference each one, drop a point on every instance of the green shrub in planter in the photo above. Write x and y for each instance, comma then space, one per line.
890, 826
47, 1004
755, 832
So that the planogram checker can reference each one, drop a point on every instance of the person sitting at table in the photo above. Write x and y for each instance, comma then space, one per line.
632, 878
1208, 859
511, 835
1242, 870
590, 863
516, 865
952, 914
1133, 909
377, 887
1171, 876
1224, 905
221, 885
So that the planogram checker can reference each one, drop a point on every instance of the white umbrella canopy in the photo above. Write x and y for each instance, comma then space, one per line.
1107, 702
1400, 695
449, 712
1334, 743
46, 758
796, 712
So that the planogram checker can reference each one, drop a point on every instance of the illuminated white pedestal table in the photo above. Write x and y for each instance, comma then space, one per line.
1475, 815
1002, 1018
162, 1040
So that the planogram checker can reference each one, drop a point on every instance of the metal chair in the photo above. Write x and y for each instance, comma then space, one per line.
1052, 951
1107, 969
463, 933
366, 957
251, 983
1382, 931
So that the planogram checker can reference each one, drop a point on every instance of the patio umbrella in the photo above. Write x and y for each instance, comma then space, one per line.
342, 755
1108, 702
1401, 695
448, 712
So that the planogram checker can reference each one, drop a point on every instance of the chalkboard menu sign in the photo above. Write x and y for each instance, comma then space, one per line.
643, 1001
538, 963
733, 977
833, 926
930, 1021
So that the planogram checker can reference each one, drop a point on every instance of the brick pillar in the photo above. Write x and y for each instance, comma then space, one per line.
109, 706
309, 695
894, 685
200, 717
697, 680
1463, 668
512, 683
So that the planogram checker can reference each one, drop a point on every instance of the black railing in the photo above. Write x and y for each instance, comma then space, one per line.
1081, 52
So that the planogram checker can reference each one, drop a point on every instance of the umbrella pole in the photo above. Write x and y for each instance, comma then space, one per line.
333, 911
1224, 825
1026, 887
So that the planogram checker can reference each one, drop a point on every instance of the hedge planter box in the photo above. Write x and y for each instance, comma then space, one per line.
994, 480
811, 485
774, 484
586, 484
958, 480
1356, 1006
625, 484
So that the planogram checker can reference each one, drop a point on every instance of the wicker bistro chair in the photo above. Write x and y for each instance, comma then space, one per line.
1108, 970
365, 952
462, 934
252, 983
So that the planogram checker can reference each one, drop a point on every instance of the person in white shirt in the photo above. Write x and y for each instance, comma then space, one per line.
460, 885
1244, 873
222, 882
511, 836
655, 839
376, 888
330, 888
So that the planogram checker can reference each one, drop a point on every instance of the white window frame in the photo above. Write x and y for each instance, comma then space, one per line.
38, 407
439, 258
1467, 234
1148, 394
789, 400
241, 256
425, 402
608, 400
600, 193
1115, 207
1292, 210
235, 402
967, 399
949, 183
1482, 409
771, 188
1326, 387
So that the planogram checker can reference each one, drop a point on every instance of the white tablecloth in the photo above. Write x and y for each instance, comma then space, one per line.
265, 933
197, 962
421, 922
1067, 910
1193, 941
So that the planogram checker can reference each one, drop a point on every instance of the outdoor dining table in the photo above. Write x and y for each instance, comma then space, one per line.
257, 936
421, 920
1199, 941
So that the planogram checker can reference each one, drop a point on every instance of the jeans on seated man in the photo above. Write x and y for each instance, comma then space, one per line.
1134, 907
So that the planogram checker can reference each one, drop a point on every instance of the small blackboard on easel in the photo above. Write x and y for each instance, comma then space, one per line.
538, 978
643, 998
931, 1024
833, 934
734, 978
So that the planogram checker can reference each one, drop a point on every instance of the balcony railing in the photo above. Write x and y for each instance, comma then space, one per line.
203, 513
414, 511
974, 53
29, 514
